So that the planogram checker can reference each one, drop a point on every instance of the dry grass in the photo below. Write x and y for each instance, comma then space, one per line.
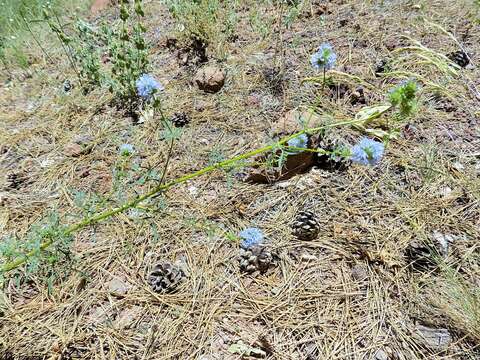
309, 305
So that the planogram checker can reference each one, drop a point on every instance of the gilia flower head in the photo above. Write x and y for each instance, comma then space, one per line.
301, 141
367, 152
147, 86
126, 150
324, 58
250, 237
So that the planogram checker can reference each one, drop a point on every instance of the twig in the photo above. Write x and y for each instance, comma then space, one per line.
161, 188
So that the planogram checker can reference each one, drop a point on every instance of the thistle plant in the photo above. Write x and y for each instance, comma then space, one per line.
404, 97
128, 53
324, 59
42, 261
297, 144
88, 55
125, 45
250, 237
126, 150
367, 152
147, 87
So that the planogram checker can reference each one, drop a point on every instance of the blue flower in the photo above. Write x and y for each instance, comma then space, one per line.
126, 150
250, 237
147, 86
367, 152
301, 141
324, 58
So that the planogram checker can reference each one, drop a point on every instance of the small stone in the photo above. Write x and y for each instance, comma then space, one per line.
443, 242
118, 287
381, 355
294, 121
308, 257
436, 339
458, 166
99, 5
83, 139
98, 315
445, 191
79, 145
210, 79
252, 100
200, 105
127, 317
73, 150
359, 272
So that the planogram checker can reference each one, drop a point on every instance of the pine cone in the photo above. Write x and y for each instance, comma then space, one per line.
180, 119
305, 226
443, 104
459, 57
67, 86
256, 258
16, 181
420, 256
327, 161
381, 67
165, 277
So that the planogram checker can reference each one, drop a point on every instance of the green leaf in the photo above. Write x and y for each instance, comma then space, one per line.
368, 113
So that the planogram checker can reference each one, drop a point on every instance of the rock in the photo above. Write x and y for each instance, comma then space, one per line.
445, 191
443, 242
127, 317
252, 100
99, 5
98, 315
200, 105
458, 166
80, 145
83, 139
118, 287
210, 79
381, 355
435, 339
308, 257
73, 150
292, 121
359, 272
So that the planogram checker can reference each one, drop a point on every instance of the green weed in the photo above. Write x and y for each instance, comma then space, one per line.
213, 22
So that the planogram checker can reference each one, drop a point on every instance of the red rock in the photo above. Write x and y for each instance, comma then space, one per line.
210, 79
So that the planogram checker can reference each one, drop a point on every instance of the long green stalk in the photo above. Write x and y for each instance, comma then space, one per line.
163, 187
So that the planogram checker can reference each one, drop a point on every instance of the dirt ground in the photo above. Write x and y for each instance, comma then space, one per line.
352, 293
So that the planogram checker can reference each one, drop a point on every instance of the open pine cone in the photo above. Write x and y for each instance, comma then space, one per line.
165, 277
421, 256
305, 226
459, 58
180, 119
14, 181
327, 161
255, 258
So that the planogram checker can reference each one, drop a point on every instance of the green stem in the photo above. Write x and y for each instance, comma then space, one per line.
163, 187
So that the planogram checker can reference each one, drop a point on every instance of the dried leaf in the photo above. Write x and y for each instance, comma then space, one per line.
243, 349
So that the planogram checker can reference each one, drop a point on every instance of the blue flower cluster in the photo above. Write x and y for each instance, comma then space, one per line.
301, 141
367, 152
324, 58
126, 150
147, 86
250, 237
